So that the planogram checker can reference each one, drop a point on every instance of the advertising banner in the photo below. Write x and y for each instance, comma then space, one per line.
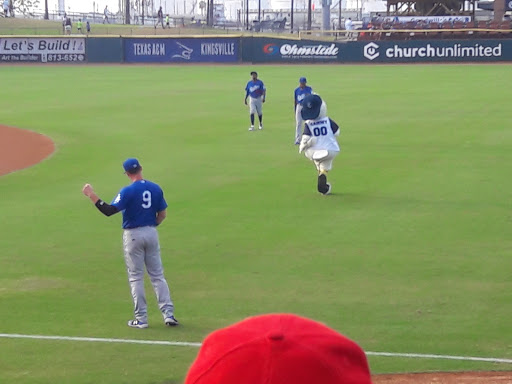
186, 50
278, 50
433, 51
42, 50
489, 5
428, 19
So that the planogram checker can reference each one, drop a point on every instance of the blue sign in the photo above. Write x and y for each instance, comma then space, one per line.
187, 50
433, 51
265, 50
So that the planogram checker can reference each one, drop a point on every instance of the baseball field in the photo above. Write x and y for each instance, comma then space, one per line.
411, 254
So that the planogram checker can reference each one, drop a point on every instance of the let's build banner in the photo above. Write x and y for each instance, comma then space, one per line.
42, 50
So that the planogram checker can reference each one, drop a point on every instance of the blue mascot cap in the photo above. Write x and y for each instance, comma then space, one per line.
311, 107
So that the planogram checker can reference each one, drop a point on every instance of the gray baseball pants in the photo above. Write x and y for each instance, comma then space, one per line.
142, 249
298, 123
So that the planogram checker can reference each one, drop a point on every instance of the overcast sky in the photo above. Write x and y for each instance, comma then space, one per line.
82, 5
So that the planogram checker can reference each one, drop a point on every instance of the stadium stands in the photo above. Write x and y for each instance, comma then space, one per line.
417, 30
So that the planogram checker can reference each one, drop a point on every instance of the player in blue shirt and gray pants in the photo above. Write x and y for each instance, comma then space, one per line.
257, 92
144, 207
300, 93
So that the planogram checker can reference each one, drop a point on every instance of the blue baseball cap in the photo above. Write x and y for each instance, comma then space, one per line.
302, 80
311, 107
131, 165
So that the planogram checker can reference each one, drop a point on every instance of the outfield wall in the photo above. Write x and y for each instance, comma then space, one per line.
237, 49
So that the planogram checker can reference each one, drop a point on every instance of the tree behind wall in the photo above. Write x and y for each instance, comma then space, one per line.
127, 12
25, 7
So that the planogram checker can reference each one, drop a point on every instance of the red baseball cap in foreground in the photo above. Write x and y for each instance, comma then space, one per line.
279, 349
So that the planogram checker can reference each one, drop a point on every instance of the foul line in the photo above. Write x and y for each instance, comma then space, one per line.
100, 340
445, 357
192, 344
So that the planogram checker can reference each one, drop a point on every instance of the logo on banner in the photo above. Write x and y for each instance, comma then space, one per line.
186, 52
314, 51
510, 4
371, 51
270, 49
457, 50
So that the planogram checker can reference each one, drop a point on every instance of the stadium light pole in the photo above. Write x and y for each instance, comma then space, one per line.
247, 15
259, 11
309, 15
499, 10
212, 20
127, 12
291, 17
339, 15
46, 17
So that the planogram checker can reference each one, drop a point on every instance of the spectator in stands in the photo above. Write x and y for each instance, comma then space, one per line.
6, 7
79, 26
167, 21
135, 15
64, 23
105, 15
88, 27
160, 16
68, 26
349, 26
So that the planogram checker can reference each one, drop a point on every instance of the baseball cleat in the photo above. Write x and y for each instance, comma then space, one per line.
260, 127
137, 324
251, 128
328, 190
171, 321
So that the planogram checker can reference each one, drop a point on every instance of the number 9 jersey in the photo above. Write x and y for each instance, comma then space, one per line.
140, 202
324, 131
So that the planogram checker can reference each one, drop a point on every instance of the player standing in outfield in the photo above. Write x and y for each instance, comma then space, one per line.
319, 142
144, 207
257, 92
300, 93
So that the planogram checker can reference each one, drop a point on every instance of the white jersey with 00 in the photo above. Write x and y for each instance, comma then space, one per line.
323, 133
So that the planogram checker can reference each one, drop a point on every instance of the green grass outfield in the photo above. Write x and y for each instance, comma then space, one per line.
411, 254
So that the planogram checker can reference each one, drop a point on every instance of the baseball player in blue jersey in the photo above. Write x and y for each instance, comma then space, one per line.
255, 89
144, 207
300, 93
318, 141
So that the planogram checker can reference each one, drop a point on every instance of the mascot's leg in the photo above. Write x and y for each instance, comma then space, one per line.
324, 165
323, 186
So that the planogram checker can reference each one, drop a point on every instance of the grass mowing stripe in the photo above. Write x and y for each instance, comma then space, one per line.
195, 344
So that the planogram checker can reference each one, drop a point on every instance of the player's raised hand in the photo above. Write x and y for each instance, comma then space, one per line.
87, 190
